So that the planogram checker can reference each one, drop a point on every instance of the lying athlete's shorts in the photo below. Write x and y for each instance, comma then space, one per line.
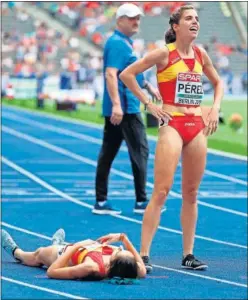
188, 126
61, 249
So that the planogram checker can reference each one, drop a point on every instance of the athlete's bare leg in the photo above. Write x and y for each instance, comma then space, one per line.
42, 256
193, 165
169, 147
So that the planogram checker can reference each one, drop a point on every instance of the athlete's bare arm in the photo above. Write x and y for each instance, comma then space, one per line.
63, 260
121, 237
157, 57
75, 272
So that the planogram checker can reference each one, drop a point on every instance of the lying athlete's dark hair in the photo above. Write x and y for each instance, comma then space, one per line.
170, 35
93, 276
123, 267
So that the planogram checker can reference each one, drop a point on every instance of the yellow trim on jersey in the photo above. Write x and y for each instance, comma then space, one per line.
171, 72
171, 47
197, 67
177, 114
81, 256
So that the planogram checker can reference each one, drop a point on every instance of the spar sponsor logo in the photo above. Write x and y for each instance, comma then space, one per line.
189, 89
189, 77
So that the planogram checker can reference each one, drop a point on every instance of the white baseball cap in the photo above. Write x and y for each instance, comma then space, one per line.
128, 9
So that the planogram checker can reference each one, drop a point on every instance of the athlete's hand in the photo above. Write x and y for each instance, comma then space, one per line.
117, 114
212, 121
157, 111
154, 92
110, 238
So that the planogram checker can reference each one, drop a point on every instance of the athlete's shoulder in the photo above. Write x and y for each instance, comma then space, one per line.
201, 52
170, 47
162, 52
156, 56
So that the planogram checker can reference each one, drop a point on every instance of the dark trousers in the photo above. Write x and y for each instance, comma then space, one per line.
132, 130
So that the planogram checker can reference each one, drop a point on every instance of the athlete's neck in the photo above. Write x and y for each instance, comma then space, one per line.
185, 49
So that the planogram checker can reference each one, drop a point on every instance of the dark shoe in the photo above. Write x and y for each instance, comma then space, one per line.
190, 262
140, 207
106, 209
147, 264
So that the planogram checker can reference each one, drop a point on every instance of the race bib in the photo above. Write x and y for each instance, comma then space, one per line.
189, 90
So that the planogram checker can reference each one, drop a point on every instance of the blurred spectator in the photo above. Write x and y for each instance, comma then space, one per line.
4, 83
244, 82
222, 65
21, 51
41, 75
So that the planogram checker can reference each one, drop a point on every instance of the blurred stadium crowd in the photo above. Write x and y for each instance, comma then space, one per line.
32, 48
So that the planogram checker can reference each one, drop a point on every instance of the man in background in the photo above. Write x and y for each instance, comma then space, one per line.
121, 110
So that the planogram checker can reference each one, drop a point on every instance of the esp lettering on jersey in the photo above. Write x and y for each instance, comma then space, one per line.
189, 90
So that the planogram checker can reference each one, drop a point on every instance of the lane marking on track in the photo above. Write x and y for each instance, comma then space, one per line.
203, 276
74, 200
97, 126
40, 288
156, 266
98, 141
114, 171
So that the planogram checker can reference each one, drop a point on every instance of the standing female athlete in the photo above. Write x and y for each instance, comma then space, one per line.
182, 131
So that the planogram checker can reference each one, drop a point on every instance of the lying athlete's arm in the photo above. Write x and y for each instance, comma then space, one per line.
130, 247
87, 242
122, 237
63, 260
128, 76
75, 272
211, 73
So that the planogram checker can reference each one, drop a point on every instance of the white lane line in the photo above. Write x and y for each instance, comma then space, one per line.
98, 126
74, 200
114, 171
98, 141
32, 200
67, 174
156, 266
163, 210
26, 231
202, 276
225, 177
36, 287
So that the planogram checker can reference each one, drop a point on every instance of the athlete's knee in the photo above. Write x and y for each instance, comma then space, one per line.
39, 254
160, 195
190, 194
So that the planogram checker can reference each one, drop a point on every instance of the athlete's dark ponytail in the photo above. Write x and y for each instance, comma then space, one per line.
170, 35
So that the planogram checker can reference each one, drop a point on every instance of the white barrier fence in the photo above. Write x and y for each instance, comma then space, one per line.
21, 88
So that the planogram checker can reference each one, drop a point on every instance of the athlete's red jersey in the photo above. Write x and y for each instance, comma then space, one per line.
180, 83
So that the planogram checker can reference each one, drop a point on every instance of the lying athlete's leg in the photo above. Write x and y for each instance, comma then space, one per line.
193, 165
168, 152
42, 256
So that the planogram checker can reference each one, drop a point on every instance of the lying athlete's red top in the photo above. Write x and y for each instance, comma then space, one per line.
96, 255
180, 83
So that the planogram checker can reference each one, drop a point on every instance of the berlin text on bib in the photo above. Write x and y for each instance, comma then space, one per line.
189, 90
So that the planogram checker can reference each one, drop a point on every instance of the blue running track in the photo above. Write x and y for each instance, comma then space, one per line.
48, 172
